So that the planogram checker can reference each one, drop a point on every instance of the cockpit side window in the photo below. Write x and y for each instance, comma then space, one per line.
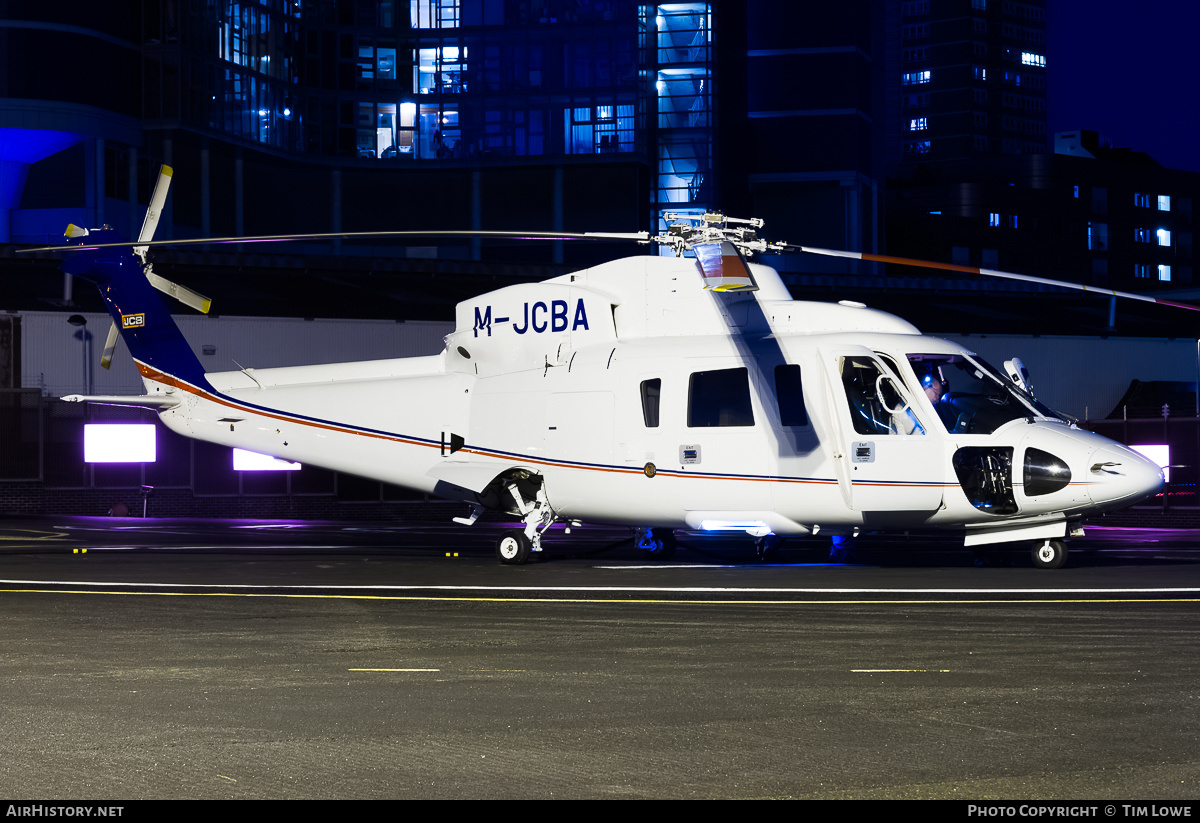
877, 404
969, 396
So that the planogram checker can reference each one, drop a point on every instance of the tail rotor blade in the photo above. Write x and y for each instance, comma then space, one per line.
157, 201
110, 345
181, 293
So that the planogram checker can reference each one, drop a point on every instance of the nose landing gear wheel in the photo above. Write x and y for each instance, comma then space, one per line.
1049, 554
513, 547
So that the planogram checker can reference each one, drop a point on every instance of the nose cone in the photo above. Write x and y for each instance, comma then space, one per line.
1121, 477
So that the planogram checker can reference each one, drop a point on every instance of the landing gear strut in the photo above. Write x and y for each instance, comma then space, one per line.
529, 494
766, 545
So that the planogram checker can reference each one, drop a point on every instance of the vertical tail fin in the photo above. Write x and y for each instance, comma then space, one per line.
137, 310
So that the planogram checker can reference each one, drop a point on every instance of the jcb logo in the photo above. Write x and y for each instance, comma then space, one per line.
133, 321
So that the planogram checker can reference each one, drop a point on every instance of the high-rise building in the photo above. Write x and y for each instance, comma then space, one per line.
967, 78
338, 115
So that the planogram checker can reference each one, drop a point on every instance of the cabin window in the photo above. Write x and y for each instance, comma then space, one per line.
877, 405
719, 398
651, 391
790, 396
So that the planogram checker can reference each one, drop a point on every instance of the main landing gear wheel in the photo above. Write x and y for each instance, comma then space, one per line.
1049, 554
513, 547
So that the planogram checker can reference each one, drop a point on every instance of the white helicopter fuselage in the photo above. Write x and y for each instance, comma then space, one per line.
636, 397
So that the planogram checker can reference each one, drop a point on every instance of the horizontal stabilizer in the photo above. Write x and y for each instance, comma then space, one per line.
144, 401
472, 476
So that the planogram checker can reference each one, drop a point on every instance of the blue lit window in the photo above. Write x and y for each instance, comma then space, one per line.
917, 147
1028, 58
916, 77
979, 73
1098, 236
1163, 236
1164, 202
1142, 200
994, 218
1141, 270
434, 14
1164, 273
1142, 235
917, 124
1077, 192
1012, 221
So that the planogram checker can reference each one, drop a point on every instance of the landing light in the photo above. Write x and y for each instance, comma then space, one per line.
755, 528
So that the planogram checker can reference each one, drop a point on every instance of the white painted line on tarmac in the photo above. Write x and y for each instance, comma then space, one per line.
659, 589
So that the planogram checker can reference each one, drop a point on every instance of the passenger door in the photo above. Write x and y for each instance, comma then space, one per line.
890, 455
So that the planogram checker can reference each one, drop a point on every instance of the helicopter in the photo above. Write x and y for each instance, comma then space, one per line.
658, 392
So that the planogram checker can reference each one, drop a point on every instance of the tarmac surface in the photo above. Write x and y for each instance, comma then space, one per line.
272, 659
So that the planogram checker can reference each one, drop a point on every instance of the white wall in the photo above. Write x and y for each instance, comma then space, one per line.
54, 359
1086, 376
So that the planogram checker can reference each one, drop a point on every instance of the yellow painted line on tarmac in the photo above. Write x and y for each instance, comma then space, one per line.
30, 534
631, 601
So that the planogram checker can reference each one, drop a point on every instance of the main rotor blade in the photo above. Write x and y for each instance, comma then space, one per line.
640, 237
157, 200
1007, 275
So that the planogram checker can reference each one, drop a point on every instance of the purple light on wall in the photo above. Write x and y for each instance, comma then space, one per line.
244, 461
119, 443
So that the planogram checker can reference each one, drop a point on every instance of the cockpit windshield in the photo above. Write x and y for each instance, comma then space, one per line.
970, 396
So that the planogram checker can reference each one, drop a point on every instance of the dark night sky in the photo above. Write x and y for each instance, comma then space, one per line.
1129, 70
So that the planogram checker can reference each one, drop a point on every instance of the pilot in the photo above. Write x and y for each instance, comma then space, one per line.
933, 388
937, 391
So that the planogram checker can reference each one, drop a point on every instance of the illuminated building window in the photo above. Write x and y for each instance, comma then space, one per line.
1142, 200
434, 14
598, 129
1142, 270
1012, 221
917, 124
1098, 236
979, 73
1164, 202
917, 147
1028, 58
1163, 236
441, 70
1164, 273
915, 78
994, 218
1141, 235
